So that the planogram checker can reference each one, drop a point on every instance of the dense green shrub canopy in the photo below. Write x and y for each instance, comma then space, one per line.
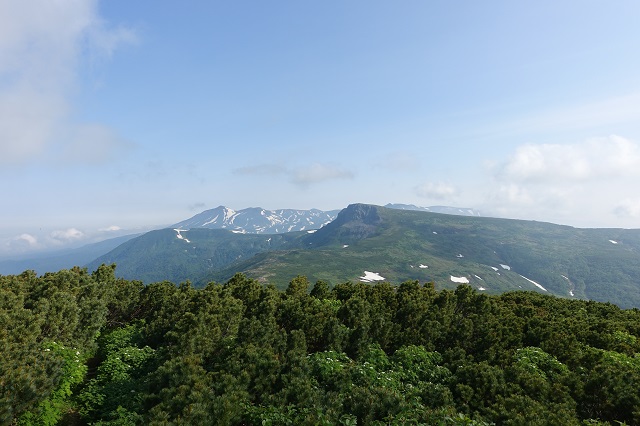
89, 348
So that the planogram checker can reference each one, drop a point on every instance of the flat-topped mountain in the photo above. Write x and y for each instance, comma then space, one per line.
493, 255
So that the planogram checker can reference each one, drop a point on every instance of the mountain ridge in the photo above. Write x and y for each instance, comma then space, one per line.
367, 242
258, 220
263, 221
458, 211
67, 258
250, 220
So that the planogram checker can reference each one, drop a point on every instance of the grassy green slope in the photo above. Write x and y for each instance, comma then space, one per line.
394, 243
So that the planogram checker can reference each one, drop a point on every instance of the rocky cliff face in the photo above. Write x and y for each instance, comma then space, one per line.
356, 222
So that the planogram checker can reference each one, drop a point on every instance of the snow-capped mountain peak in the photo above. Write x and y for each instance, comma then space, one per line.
258, 220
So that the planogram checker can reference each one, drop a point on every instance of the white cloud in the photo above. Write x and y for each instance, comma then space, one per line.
106, 40
92, 143
262, 169
317, 173
47, 240
628, 208
199, 206
28, 119
592, 183
436, 191
19, 244
42, 43
112, 228
301, 176
514, 194
610, 157
29, 239
67, 235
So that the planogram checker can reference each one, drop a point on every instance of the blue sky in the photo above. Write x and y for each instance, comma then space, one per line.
119, 115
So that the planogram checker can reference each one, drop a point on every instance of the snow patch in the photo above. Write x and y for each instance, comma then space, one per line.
459, 256
481, 288
311, 231
211, 221
229, 214
422, 266
345, 245
461, 280
570, 285
534, 283
613, 242
507, 267
494, 268
477, 277
179, 236
435, 233
371, 276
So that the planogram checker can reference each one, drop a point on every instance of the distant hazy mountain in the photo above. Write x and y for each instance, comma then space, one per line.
62, 259
459, 211
256, 220
366, 243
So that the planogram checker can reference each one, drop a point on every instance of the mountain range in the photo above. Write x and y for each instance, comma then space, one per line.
256, 220
370, 243
397, 242
250, 220
61, 259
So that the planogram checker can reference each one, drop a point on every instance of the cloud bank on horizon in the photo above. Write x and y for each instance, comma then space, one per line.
116, 115
599, 174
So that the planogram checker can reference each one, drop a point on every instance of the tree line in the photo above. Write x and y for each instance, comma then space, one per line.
91, 348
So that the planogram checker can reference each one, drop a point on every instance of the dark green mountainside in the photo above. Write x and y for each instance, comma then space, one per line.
177, 256
492, 255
